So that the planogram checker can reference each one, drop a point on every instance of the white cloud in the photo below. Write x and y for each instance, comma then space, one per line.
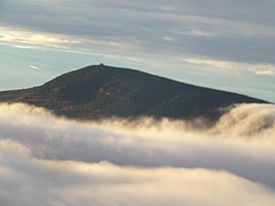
152, 163
264, 71
35, 67
23, 38
229, 66
27, 39
40, 182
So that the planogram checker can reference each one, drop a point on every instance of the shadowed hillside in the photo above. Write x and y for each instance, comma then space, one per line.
101, 91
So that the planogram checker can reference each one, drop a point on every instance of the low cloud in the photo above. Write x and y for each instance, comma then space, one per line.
48, 160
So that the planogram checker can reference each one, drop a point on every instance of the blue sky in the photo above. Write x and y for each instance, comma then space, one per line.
215, 43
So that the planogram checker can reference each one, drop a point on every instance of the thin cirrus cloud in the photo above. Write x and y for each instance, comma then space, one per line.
35, 67
269, 71
227, 66
56, 161
215, 30
23, 38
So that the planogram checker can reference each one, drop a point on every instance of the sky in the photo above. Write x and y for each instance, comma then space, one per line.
221, 44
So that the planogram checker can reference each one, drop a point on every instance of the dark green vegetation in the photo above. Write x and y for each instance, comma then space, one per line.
101, 91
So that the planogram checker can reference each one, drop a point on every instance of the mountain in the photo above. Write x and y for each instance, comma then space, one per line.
101, 91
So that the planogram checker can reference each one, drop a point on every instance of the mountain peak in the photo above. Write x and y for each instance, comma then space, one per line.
101, 91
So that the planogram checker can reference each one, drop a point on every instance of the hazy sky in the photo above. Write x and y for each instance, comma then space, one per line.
217, 43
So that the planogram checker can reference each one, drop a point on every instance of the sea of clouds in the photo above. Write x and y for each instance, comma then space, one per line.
49, 160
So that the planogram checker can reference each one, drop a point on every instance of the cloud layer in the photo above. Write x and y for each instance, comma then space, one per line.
212, 29
49, 160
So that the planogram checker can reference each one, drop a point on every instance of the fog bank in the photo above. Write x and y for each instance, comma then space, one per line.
48, 160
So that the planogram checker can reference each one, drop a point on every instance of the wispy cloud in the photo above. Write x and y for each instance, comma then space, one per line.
232, 31
229, 66
24, 39
264, 71
35, 67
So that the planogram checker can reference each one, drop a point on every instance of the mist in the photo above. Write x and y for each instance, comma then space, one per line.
49, 160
